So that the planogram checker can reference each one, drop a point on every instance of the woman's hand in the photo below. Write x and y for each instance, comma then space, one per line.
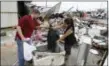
60, 41
57, 41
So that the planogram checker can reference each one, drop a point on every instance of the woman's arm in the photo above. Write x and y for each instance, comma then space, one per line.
66, 34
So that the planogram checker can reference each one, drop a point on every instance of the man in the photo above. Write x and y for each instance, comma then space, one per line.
25, 29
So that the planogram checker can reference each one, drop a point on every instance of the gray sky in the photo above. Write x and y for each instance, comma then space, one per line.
80, 5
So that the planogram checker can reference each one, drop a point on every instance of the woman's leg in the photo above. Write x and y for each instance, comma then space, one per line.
20, 52
67, 50
67, 54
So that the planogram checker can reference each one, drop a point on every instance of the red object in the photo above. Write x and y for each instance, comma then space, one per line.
27, 25
39, 35
85, 14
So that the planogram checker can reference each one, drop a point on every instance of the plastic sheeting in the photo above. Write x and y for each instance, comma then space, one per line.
28, 51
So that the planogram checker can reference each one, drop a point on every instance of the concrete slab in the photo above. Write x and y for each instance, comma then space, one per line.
91, 60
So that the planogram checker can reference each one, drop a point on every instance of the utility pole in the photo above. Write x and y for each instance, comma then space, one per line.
46, 4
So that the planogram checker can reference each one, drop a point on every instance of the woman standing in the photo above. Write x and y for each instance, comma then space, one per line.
68, 36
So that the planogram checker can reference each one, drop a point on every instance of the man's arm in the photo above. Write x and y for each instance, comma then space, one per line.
20, 32
20, 25
39, 24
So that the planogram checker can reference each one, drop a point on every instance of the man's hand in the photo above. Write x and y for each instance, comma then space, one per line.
38, 27
23, 39
38, 21
26, 39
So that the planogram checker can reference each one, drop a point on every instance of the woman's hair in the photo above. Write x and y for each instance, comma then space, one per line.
70, 23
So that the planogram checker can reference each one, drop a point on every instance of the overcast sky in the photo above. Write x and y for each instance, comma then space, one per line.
80, 5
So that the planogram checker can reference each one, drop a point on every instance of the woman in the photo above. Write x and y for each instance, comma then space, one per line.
68, 36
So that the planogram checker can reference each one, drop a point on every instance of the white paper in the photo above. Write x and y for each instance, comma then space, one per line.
28, 51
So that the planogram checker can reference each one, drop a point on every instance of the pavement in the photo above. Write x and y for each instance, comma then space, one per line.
8, 55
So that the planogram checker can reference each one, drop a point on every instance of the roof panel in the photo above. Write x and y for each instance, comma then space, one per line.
61, 0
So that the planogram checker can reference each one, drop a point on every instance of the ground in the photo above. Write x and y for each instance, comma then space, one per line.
8, 55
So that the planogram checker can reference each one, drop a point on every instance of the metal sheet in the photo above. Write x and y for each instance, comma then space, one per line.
9, 6
83, 54
54, 9
8, 19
